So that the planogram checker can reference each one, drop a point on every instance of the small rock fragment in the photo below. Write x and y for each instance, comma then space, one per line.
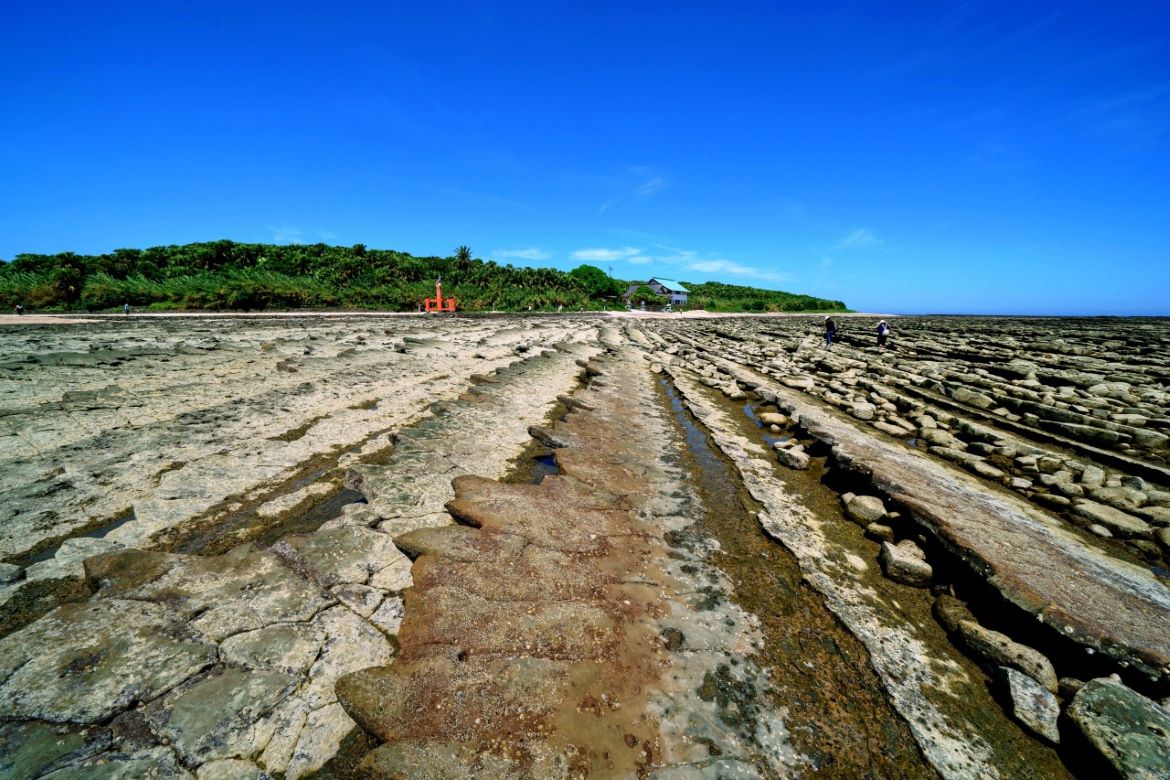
903, 562
1032, 705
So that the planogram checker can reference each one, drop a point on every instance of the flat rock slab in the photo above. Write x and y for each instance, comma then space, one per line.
243, 590
347, 555
85, 663
209, 719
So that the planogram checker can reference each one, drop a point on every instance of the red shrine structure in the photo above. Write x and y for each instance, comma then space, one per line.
439, 303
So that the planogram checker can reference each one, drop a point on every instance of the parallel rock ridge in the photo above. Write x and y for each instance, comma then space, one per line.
978, 516
1116, 601
536, 639
169, 658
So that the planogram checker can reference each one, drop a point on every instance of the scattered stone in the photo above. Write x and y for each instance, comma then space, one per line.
1131, 732
879, 532
773, 418
865, 509
1001, 650
863, 411
10, 572
1093, 476
1069, 687
905, 562
1100, 530
1121, 497
547, 437
950, 612
1032, 705
1157, 515
793, 458
1120, 523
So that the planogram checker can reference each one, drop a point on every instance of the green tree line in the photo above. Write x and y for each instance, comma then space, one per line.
716, 296
230, 275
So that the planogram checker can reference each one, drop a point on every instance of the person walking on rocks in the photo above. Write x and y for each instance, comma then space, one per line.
883, 331
126, 309
830, 331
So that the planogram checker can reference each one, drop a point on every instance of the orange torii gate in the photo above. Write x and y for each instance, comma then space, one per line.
438, 303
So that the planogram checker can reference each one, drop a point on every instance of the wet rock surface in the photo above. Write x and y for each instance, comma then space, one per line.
749, 555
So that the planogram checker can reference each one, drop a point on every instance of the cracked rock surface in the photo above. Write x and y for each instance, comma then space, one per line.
572, 546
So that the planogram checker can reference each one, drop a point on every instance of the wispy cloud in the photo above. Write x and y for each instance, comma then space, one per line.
736, 269
680, 260
296, 235
651, 182
605, 255
531, 253
857, 239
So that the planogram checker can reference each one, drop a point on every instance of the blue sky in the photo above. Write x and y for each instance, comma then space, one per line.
968, 157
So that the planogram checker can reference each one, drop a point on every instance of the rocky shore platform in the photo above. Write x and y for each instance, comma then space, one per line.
578, 546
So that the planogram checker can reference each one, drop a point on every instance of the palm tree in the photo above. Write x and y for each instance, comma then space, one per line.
463, 256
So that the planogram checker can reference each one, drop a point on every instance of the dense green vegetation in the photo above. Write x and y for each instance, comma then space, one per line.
229, 275
716, 296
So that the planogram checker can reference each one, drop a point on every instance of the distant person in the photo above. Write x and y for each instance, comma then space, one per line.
126, 309
830, 331
883, 332
18, 309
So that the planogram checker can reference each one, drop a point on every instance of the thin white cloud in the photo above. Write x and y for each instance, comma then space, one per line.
652, 182
858, 239
680, 260
735, 269
287, 235
296, 235
604, 254
531, 253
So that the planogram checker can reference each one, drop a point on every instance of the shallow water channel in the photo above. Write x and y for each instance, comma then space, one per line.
820, 680
836, 708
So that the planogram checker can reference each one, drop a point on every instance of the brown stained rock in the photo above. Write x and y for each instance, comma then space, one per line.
550, 628
620, 475
434, 760
459, 542
539, 513
527, 647
444, 697
533, 573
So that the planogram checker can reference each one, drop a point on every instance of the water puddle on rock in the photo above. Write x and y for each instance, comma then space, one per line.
99, 532
532, 465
